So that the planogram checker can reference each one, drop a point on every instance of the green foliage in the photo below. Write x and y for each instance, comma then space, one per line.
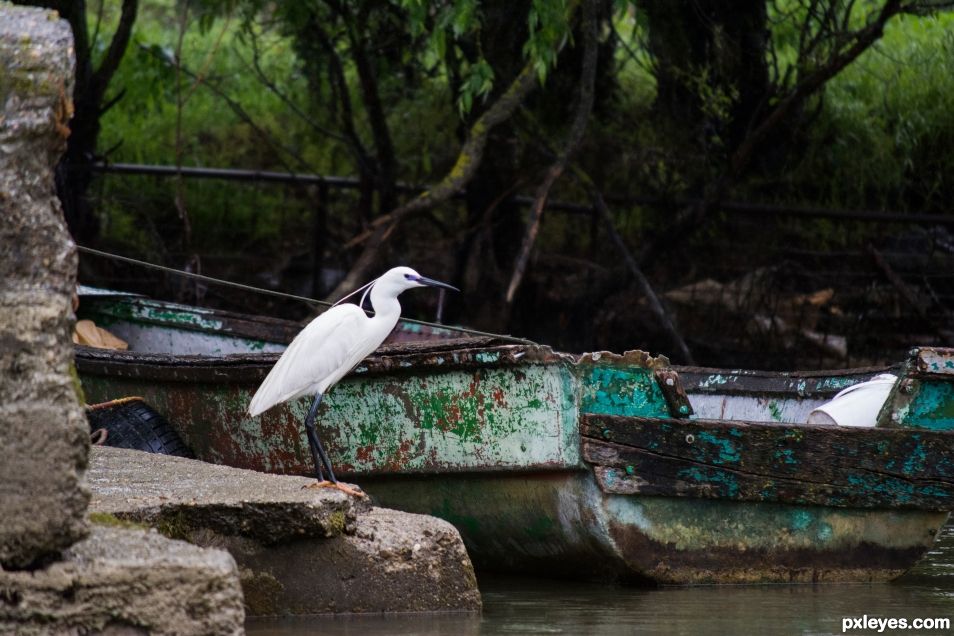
478, 81
879, 135
549, 25
456, 22
884, 134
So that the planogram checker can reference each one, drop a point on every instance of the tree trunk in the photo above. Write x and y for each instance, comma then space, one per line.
73, 173
709, 54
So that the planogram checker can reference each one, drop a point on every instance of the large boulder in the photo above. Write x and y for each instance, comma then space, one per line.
44, 437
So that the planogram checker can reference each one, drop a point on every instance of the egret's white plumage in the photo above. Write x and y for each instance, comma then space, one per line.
335, 342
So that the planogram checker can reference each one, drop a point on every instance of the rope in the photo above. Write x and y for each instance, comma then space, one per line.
269, 292
207, 279
116, 402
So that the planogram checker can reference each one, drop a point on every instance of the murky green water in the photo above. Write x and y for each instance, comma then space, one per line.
546, 607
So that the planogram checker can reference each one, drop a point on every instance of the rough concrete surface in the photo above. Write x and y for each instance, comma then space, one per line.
395, 562
125, 581
44, 436
299, 551
175, 494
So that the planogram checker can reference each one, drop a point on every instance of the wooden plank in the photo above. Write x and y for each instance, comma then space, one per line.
673, 391
793, 384
934, 362
817, 465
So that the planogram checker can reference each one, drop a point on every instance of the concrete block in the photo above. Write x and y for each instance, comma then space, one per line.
299, 551
125, 581
43, 433
394, 562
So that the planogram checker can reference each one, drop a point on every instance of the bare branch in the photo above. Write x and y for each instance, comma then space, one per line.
242, 114
810, 84
463, 171
256, 65
583, 110
662, 316
386, 173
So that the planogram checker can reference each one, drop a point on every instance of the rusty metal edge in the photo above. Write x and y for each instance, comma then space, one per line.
443, 356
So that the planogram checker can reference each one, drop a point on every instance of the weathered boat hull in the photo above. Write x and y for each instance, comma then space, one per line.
562, 524
519, 449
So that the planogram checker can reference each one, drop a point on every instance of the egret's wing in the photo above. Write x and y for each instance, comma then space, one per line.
322, 349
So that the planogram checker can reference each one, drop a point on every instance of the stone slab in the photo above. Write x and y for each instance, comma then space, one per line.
299, 551
44, 437
176, 494
125, 581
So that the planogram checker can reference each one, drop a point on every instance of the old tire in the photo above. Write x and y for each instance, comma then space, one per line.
137, 426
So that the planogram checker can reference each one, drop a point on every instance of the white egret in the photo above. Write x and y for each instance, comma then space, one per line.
329, 348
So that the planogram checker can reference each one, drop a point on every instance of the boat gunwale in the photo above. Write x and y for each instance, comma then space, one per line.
459, 354
818, 384
233, 323
445, 355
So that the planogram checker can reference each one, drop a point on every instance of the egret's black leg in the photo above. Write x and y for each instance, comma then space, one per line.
317, 450
311, 435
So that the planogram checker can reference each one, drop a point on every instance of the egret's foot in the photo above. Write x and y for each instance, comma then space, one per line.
348, 489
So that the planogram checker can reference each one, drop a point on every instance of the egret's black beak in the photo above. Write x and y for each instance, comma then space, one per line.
436, 283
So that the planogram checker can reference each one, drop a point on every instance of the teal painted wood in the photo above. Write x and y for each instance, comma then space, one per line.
932, 407
934, 361
610, 389
155, 326
820, 465
924, 396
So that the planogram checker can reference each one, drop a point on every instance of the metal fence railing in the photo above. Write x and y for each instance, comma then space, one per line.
764, 286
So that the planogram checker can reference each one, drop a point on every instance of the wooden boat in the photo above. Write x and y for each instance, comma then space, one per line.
598, 466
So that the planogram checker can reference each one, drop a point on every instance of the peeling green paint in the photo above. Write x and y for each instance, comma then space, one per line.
801, 519
719, 478
835, 383
154, 311
463, 420
159, 327
621, 390
728, 453
785, 455
716, 379
488, 357
932, 407
915, 460
417, 328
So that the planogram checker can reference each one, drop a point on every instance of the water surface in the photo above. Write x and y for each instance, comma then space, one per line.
530, 606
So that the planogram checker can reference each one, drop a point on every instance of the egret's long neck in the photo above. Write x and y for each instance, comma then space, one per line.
385, 304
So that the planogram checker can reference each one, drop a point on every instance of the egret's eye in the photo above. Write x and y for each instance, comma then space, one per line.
410, 277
